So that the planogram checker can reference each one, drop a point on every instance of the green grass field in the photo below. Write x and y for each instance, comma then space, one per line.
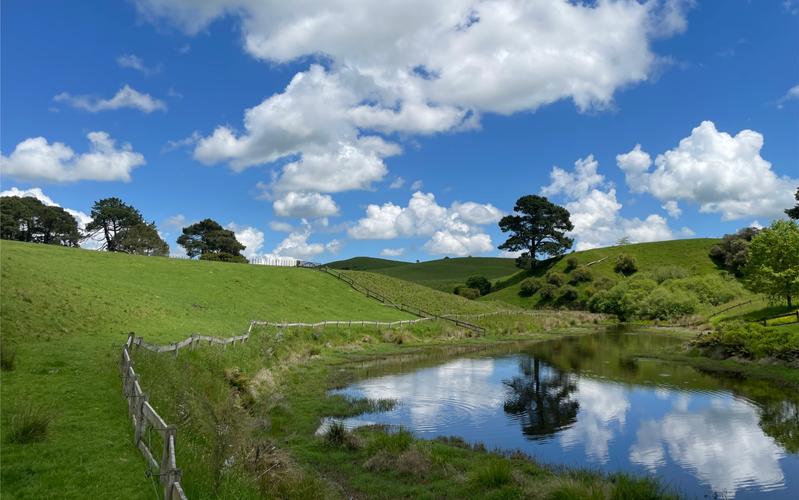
441, 274
691, 255
66, 312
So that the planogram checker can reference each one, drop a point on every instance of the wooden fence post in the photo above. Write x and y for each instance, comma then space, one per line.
167, 472
141, 422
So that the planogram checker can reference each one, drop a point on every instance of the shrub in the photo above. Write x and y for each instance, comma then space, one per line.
751, 340
568, 293
709, 289
529, 286
469, 293
666, 273
571, 263
28, 425
338, 436
604, 283
8, 357
582, 273
481, 283
556, 279
626, 264
547, 291
663, 304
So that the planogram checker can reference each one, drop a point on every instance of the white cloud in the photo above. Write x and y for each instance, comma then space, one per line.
282, 227
177, 221
416, 185
296, 245
721, 173
35, 158
397, 183
595, 210
672, 208
250, 237
126, 97
687, 231
635, 164
81, 217
791, 95
133, 61
392, 252
453, 231
298, 204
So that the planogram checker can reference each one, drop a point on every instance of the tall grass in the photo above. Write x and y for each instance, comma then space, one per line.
29, 424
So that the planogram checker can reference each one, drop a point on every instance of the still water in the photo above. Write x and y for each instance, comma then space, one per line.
584, 401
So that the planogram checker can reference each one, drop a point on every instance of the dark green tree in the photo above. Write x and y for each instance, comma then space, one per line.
111, 220
210, 241
143, 239
537, 227
28, 219
793, 213
481, 283
733, 251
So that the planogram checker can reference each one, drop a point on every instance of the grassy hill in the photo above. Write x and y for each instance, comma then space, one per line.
690, 255
441, 274
66, 312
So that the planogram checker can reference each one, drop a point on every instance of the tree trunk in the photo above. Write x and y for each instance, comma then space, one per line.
789, 300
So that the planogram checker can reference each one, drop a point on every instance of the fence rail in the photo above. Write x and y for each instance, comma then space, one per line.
145, 418
784, 315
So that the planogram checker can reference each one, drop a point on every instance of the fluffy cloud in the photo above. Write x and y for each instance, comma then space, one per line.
392, 252
294, 204
721, 173
296, 245
672, 208
177, 221
635, 165
397, 183
35, 158
453, 231
415, 67
126, 97
595, 210
250, 237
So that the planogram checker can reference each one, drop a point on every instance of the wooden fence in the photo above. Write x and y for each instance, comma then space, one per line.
785, 315
145, 418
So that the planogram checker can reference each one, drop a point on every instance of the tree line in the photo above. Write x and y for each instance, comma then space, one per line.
116, 225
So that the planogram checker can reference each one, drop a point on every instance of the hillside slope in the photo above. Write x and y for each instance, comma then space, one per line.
690, 255
66, 313
441, 274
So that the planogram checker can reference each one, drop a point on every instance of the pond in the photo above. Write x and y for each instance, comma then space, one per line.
588, 402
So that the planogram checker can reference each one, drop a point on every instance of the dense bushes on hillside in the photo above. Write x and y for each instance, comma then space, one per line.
751, 341
481, 283
555, 278
580, 274
467, 292
529, 286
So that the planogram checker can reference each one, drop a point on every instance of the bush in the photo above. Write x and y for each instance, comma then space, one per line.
469, 293
664, 304
556, 279
666, 273
604, 283
751, 340
626, 264
338, 436
548, 291
568, 293
582, 273
224, 257
733, 252
529, 286
571, 263
709, 289
480, 283
28, 425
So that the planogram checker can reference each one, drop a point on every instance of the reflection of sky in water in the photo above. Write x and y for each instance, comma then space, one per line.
697, 441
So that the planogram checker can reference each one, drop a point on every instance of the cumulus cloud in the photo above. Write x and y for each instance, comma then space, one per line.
721, 173
36, 159
250, 237
672, 208
282, 227
296, 245
595, 210
392, 252
453, 231
298, 204
415, 67
126, 97
416, 185
635, 165
397, 183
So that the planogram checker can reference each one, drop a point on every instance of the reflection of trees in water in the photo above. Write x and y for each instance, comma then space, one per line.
780, 420
543, 403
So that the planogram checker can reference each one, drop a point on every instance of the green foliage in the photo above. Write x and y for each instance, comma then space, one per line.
554, 278
28, 219
626, 264
645, 488
28, 424
750, 340
537, 227
211, 241
529, 286
143, 239
665, 304
733, 252
568, 293
665, 273
572, 263
708, 289
496, 473
793, 213
468, 293
338, 436
773, 267
481, 283
548, 291
111, 220
581, 274
392, 441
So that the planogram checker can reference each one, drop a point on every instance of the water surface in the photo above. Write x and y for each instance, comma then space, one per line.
586, 402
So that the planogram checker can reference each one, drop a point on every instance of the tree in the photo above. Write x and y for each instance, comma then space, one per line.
733, 251
112, 219
793, 213
143, 239
480, 283
538, 227
625, 264
773, 267
210, 241
28, 219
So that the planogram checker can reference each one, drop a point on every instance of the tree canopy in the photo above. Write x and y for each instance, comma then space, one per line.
793, 213
112, 219
733, 251
28, 219
773, 267
143, 239
208, 240
537, 227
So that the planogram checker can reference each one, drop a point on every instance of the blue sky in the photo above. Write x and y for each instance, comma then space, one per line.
405, 129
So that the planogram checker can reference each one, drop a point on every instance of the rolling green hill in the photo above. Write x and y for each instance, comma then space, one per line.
66, 312
690, 255
441, 274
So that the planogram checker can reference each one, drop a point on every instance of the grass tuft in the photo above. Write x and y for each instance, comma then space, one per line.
28, 425
496, 473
